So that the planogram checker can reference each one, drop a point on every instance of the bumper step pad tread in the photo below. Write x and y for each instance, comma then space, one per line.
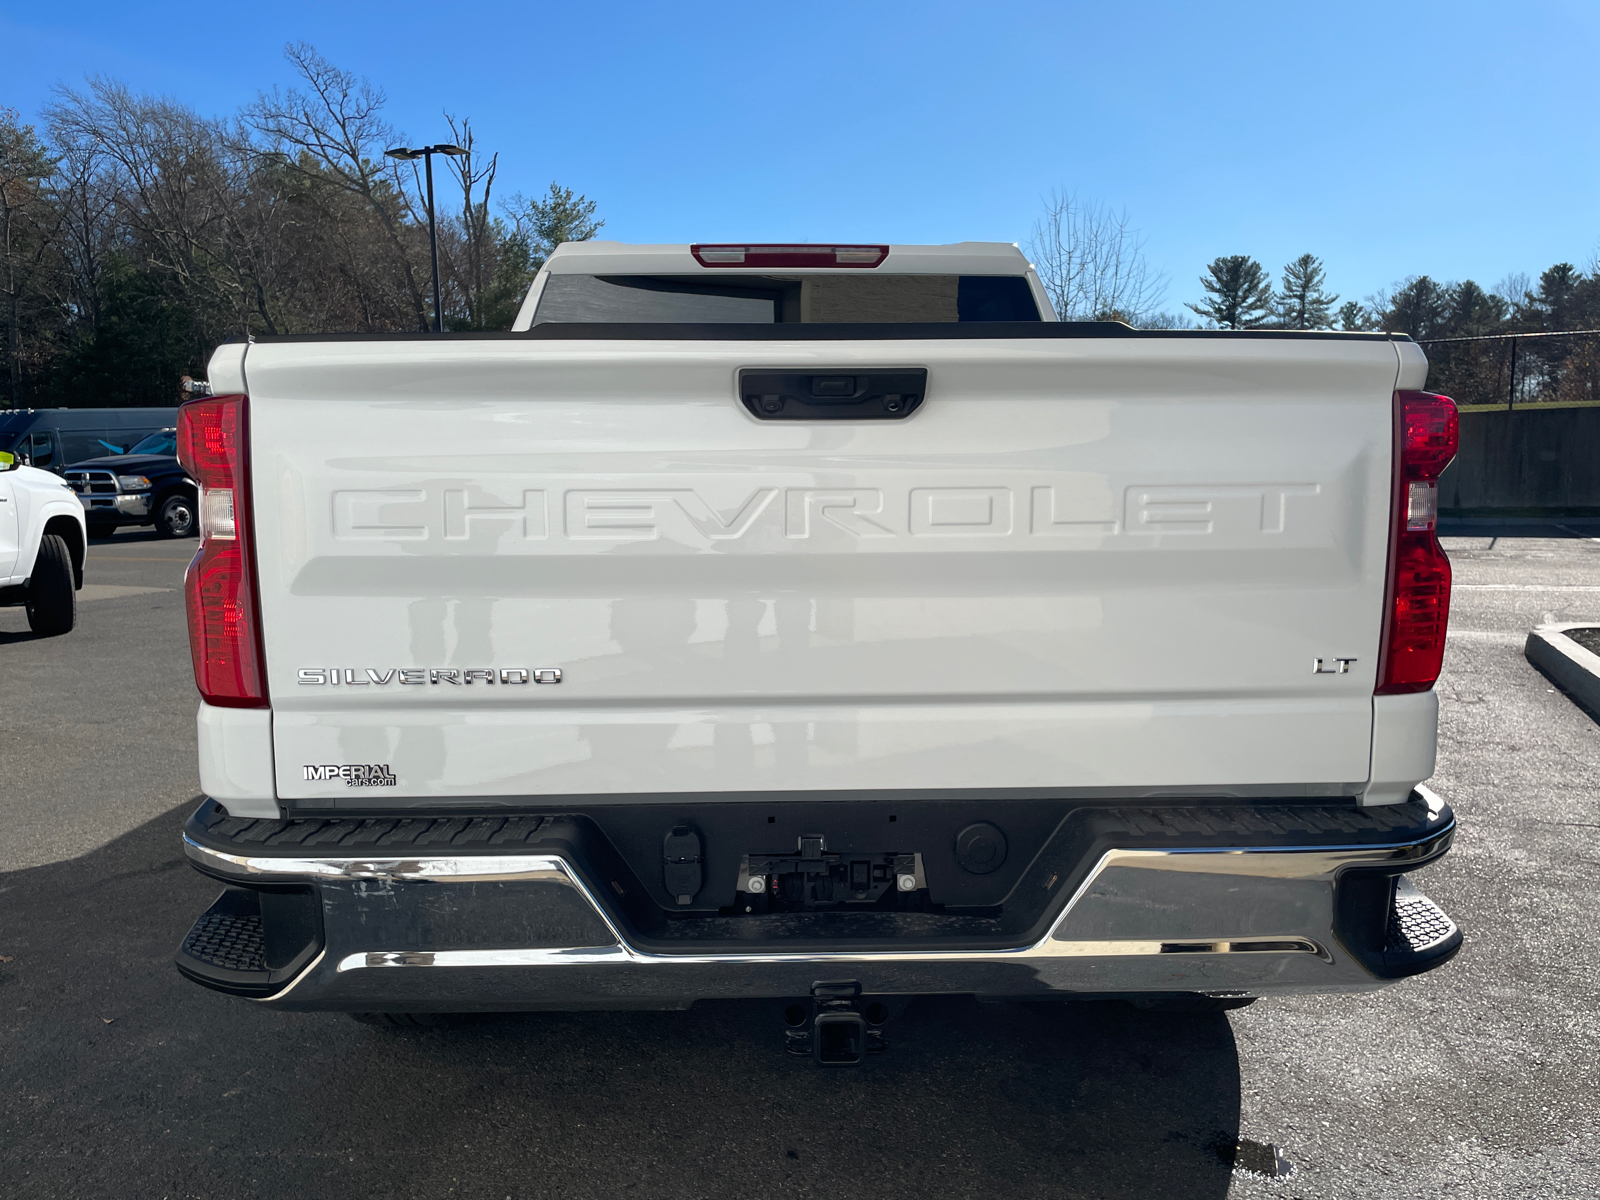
232, 941
1417, 925
232, 949
1420, 934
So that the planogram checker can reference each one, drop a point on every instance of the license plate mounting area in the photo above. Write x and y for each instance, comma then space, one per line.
812, 878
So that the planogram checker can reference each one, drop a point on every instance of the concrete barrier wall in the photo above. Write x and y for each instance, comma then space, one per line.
1527, 458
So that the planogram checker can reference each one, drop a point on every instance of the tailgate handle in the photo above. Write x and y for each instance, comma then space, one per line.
849, 395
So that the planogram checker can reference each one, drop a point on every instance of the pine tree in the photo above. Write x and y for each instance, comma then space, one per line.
1303, 303
1355, 317
549, 220
1553, 304
1420, 308
1238, 294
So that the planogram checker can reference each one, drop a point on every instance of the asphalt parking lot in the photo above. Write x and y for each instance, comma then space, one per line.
118, 1078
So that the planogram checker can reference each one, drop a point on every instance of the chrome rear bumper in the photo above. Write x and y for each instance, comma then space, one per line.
427, 932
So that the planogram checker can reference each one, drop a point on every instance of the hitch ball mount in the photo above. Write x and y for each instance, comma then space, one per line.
839, 1030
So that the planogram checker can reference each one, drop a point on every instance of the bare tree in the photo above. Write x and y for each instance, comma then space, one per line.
1516, 287
138, 233
1092, 262
87, 203
471, 245
332, 134
178, 188
1168, 320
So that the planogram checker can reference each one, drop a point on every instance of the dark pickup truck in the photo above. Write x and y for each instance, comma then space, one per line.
145, 486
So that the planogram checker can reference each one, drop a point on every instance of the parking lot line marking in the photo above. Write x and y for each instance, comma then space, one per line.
1524, 587
114, 591
138, 558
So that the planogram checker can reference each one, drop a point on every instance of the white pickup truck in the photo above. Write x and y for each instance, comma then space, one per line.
821, 623
42, 543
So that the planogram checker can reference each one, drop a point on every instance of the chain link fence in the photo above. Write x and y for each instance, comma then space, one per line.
1516, 371
1530, 437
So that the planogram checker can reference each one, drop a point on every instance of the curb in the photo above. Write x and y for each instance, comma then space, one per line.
1572, 668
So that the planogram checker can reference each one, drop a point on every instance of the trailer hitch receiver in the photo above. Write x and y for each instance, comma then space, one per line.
838, 1031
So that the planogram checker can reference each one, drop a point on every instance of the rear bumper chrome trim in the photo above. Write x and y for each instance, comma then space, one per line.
622, 954
1162, 913
295, 982
464, 868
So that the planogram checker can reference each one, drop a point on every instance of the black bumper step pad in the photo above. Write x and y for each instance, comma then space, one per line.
252, 942
228, 941
1420, 934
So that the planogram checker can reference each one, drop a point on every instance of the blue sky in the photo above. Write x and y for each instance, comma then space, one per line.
1458, 140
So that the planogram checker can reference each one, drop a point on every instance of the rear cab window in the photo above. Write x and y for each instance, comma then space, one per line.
775, 299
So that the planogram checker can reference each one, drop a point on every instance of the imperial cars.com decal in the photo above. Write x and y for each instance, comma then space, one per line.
354, 774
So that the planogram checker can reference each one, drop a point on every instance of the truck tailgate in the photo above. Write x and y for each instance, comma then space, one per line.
1105, 565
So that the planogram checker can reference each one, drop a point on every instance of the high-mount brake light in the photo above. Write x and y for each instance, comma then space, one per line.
788, 256
1417, 598
220, 585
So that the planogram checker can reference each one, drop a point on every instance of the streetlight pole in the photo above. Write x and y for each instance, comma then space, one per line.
426, 153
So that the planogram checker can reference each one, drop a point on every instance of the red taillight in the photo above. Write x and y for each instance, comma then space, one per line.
1429, 432
788, 256
220, 587
1417, 603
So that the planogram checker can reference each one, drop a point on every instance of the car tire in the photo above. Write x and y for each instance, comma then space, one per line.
177, 516
99, 533
52, 598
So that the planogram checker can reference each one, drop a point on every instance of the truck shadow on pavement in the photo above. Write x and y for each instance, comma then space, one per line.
125, 1079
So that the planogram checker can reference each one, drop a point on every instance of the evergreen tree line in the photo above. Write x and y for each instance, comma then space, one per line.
137, 234
1091, 261
1239, 295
